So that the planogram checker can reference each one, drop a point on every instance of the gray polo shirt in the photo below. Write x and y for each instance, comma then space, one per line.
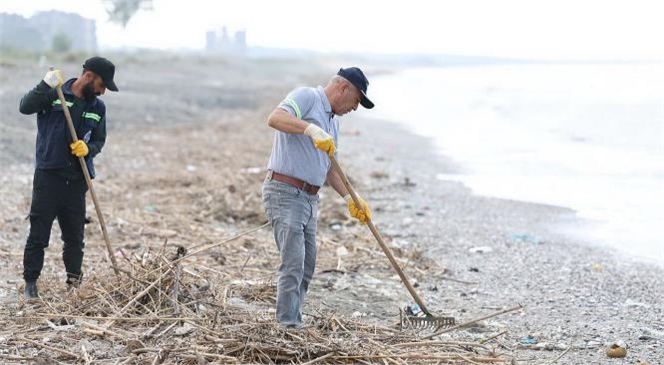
295, 154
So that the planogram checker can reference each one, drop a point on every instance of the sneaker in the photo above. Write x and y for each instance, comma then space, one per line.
293, 326
31, 291
72, 283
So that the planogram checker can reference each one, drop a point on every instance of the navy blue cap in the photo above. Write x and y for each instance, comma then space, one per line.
357, 78
104, 68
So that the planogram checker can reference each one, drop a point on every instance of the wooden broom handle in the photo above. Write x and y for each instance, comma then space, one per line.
88, 180
374, 230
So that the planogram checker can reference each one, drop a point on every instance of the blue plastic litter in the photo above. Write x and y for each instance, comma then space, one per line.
525, 237
528, 340
413, 310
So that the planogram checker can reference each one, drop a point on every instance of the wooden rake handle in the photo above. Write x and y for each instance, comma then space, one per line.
88, 180
374, 230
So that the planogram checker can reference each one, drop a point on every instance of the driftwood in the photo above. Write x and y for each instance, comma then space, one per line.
168, 307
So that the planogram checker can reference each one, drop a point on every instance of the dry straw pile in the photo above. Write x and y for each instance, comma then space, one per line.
170, 305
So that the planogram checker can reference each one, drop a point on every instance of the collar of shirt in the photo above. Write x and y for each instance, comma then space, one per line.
326, 103
66, 87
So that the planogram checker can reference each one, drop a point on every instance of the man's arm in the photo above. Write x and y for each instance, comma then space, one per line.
361, 213
336, 183
284, 121
97, 138
37, 99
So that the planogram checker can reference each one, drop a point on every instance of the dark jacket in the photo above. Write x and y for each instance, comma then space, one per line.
53, 137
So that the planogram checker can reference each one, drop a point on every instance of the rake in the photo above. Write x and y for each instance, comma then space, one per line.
88, 179
413, 319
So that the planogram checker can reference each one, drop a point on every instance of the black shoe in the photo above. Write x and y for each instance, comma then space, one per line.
31, 291
298, 326
73, 283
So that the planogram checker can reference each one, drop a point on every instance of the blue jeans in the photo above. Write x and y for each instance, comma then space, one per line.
292, 214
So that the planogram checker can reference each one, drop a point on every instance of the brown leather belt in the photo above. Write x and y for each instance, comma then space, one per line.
302, 185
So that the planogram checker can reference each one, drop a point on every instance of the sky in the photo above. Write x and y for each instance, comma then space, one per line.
534, 29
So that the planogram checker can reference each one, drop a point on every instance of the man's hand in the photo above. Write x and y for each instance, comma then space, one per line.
362, 213
322, 140
79, 148
54, 78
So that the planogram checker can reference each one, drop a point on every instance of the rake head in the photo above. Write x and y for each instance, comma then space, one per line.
414, 317
427, 322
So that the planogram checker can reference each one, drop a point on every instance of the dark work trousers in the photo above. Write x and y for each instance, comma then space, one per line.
54, 195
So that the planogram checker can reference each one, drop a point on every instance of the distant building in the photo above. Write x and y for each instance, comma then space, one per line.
38, 32
218, 41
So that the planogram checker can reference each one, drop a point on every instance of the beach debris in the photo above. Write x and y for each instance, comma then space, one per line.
480, 249
407, 182
528, 340
252, 170
184, 330
651, 334
480, 337
56, 327
336, 226
616, 351
173, 307
164, 233
597, 267
342, 251
414, 310
379, 175
544, 346
525, 237
629, 303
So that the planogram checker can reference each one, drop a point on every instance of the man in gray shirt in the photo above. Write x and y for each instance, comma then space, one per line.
306, 133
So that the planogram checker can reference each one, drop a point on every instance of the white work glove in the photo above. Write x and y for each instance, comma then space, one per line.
54, 78
362, 213
322, 140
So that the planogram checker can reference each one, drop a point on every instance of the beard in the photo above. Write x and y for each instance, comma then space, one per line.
89, 92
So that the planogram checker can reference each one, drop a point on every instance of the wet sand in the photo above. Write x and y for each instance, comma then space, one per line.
575, 293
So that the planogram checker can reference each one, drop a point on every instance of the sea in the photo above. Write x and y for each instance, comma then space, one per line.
588, 136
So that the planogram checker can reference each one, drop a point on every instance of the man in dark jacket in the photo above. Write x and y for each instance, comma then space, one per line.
59, 187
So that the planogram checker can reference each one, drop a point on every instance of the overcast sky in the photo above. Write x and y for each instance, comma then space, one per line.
541, 29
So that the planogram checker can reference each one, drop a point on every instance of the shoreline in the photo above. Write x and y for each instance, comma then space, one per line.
504, 129
576, 293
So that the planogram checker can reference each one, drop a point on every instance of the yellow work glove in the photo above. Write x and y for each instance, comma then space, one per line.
362, 213
322, 140
79, 148
54, 78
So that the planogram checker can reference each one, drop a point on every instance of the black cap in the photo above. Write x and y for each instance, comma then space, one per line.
357, 78
104, 68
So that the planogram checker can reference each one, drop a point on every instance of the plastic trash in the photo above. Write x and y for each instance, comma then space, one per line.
525, 237
414, 310
528, 340
480, 249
